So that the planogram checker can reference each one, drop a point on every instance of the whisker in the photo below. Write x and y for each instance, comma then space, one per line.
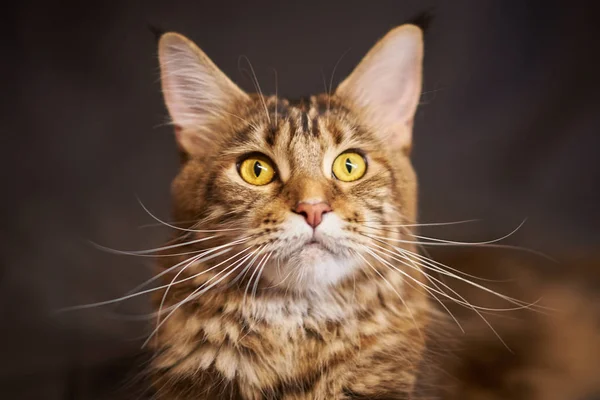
440, 264
254, 126
431, 265
276, 97
499, 246
393, 289
258, 266
257, 87
155, 225
259, 274
521, 305
205, 252
162, 301
238, 262
465, 221
446, 242
196, 293
432, 294
183, 229
189, 261
475, 309
244, 271
134, 292
279, 272
436, 298
443, 242
439, 292
331, 80
148, 252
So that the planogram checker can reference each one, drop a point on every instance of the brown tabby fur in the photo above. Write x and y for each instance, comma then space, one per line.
219, 347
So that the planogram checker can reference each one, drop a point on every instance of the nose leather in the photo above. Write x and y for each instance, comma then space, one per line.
312, 213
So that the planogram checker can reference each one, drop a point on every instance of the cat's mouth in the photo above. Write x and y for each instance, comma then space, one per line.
315, 243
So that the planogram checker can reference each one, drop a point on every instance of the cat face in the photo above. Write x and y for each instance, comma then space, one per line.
305, 186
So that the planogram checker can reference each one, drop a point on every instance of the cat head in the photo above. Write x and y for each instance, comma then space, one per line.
308, 185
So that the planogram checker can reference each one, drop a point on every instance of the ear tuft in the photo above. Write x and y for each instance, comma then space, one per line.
423, 20
156, 31
384, 89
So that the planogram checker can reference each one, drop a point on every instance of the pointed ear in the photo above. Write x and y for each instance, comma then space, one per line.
197, 94
384, 89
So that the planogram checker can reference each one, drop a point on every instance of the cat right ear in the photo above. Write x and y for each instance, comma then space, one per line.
197, 94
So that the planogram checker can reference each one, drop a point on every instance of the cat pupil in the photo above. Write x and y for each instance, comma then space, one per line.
257, 168
349, 166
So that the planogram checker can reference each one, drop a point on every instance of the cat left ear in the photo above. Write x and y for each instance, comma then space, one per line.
385, 87
197, 94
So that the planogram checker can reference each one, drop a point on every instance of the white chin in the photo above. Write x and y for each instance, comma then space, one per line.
311, 268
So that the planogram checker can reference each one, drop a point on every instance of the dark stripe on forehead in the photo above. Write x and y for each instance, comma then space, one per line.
271, 134
302, 103
242, 135
336, 132
304, 118
315, 126
293, 128
322, 104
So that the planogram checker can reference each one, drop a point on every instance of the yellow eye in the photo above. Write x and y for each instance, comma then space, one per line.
349, 167
257, 170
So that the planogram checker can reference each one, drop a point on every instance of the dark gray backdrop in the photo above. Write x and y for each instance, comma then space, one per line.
508, 129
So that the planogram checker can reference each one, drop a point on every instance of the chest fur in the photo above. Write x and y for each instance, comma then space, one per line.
290, 351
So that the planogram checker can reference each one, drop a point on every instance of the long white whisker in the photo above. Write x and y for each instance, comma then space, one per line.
520, 305
439, 292
238, 262
210, 252
259, 274
477, 310
437, 299
189, 261
276, 97
431, 264
158, 224
393, 289
424, 224
331, 80
245, 270
438, 263
440, 242
145, 253
184, 229
258, 266
257, 86
162, 301
426, 263
241, 119
198, 292
279, 273
134, 292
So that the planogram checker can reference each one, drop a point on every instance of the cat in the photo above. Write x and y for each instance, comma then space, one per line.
297, 275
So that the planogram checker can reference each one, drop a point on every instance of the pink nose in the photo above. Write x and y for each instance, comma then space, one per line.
313, 213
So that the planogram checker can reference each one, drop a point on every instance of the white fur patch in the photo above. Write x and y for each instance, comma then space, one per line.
308, 260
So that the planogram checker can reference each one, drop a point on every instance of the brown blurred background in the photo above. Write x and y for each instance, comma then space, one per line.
508, 129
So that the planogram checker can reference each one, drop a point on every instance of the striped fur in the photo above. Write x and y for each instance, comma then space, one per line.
344, 325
